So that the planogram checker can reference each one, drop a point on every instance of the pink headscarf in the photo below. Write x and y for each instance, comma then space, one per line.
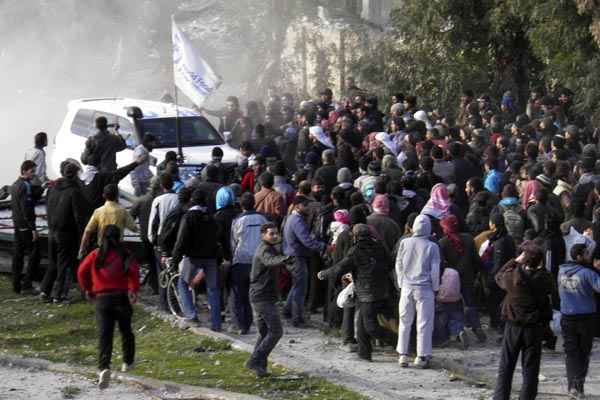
439, 201
530, 187
381, 204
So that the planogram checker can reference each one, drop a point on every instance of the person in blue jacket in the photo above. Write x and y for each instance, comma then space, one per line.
577, 283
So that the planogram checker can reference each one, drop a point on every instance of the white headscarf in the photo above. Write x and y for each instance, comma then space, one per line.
318, 133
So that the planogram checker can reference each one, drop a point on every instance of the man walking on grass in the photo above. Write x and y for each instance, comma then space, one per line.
263, 297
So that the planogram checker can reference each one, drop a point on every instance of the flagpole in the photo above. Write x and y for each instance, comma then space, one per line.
177, 125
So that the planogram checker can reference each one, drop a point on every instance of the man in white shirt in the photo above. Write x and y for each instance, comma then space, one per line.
141, 175
162, 206
38, 155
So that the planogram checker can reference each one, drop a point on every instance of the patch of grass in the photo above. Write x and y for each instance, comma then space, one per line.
67, 333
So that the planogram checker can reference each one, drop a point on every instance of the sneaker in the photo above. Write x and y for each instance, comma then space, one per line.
403, 361
61, 300
44, 298
186, 323
260, 371
576, 394
104, 379
349, 347
464, 340
126, 367
481, 336
421, 362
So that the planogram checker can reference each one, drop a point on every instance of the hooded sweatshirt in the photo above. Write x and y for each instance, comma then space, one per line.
576, 287
418, 259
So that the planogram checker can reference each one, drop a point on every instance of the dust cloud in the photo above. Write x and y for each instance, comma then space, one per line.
53, 51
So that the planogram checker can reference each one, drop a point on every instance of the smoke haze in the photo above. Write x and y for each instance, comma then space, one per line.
53, 51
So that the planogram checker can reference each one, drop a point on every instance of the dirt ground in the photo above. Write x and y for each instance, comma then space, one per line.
29, 384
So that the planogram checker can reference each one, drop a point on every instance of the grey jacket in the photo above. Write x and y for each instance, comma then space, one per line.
418, 259
245, 236
263, 276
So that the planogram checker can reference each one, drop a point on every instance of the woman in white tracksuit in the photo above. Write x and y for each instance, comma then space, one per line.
418, 272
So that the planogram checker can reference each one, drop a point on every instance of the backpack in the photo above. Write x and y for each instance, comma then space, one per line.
170, 228
450, 287
513, 221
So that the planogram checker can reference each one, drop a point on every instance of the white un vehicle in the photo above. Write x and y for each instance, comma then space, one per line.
132, 119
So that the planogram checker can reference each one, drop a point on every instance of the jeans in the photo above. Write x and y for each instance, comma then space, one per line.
348, 325
419, 300
113, 308
270, 331
24, 244
162, 292
211, 269
368, 328
578, 334
294, 305
152, 277
239, 277
526, 340
62, 257
449, 321
189, 309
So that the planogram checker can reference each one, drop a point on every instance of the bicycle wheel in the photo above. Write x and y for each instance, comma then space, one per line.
173, 299
164, 276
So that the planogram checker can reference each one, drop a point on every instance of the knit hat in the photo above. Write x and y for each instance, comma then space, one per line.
381, 204
344, 175
357, 215
342, 216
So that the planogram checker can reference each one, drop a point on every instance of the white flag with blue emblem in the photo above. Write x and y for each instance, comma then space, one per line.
193, 76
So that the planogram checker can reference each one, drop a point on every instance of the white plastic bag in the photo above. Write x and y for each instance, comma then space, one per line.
346, 297
555, 323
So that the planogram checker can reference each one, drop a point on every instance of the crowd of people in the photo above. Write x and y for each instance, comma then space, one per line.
372, 219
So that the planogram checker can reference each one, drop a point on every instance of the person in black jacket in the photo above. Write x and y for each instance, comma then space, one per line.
67, 211
263, 296
23, 198
95, 179
526, 310
106, 146
501, 251
197, 242
141, 210
370, 264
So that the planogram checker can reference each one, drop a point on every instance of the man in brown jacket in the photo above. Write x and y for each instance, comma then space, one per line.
268, 201
526, 308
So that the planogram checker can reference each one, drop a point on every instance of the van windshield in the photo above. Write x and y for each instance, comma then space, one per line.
195, 131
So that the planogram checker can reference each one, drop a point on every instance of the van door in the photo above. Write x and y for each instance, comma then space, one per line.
70, 141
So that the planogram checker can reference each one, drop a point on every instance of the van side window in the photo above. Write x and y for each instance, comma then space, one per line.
83, 123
